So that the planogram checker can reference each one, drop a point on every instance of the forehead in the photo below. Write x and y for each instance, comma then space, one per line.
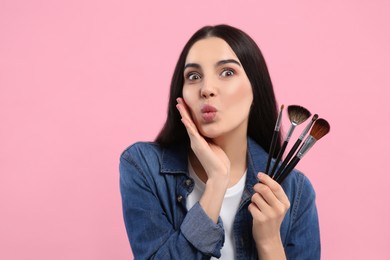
210, 49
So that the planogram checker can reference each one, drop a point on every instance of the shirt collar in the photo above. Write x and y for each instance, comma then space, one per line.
257, 160
174, 159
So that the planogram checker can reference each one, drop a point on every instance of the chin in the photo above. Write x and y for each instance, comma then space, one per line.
210, 133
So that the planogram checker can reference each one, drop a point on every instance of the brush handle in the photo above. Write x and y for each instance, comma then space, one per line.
288, 169
271, 150
288, 157
280, 154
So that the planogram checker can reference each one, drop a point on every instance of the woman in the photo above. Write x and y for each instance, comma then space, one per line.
198, 191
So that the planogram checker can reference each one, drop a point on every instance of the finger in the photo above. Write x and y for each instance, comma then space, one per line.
268, 196
199, 144
275, 187
197, 141
185, 115
183, 108
255, 211
190, 127
261, 203
187, 121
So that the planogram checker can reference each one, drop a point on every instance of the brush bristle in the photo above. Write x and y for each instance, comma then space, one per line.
298, 114
281, 107
320, 128
314, 118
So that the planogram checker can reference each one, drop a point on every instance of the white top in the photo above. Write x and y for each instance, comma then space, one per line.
229, 209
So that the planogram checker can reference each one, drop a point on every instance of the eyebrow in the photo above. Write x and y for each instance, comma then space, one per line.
222, 62
219, 63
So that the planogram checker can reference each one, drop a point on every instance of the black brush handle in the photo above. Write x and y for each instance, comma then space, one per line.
280, 154
288, 157
288, 169
271, 150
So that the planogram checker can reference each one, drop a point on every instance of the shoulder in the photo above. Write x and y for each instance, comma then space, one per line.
142, 151
301, 194
140, 163
152, 157
141, 157
298, 183
301, 227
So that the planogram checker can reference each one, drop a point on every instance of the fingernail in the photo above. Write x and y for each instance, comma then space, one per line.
260, 176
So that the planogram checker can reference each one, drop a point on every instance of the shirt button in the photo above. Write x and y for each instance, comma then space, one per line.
188, 182
179, 198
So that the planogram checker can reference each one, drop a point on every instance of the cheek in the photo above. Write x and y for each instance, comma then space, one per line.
188, 96
241, 96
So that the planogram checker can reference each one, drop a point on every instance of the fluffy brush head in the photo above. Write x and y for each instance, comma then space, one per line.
320, 128
297, 114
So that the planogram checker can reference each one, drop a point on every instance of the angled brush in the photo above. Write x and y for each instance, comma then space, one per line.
320, 128
274, 139
295, 147
297, 115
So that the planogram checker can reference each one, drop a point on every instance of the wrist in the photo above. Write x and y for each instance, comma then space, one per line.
212, 198
269, 243
219, 183
271, 248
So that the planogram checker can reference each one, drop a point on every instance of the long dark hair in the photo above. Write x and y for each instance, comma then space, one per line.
264, 110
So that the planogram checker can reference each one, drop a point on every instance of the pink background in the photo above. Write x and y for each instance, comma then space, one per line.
81, 80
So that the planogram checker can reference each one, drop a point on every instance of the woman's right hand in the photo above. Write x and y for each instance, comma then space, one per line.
213, 159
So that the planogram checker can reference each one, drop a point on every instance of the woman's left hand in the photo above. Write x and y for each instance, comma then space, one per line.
268, 207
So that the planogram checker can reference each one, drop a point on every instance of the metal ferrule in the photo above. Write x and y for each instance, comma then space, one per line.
306, 130
290, 131
309, 142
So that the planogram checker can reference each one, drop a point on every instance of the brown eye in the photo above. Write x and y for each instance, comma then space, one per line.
193, 76
227, 73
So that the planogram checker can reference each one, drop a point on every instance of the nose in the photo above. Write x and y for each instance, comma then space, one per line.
207, 93
208, 90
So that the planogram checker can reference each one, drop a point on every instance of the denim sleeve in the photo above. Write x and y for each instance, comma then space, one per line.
151, 234
304, 239
202, 232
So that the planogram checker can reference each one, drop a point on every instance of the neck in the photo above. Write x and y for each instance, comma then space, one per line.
235, 149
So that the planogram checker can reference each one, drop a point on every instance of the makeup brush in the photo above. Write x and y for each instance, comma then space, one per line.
297, 115
274, 139
320, 128
295, 147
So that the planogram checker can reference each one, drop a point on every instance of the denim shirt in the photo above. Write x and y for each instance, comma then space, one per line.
155, 184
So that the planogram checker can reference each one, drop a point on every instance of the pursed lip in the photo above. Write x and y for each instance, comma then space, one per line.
208, 109
208, 113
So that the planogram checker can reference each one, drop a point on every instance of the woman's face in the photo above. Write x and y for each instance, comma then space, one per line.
217, 89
